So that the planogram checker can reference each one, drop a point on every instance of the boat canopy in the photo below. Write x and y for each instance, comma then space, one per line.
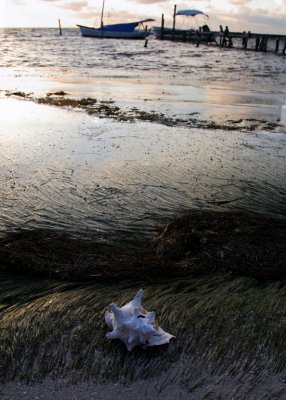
191, 13
127, 27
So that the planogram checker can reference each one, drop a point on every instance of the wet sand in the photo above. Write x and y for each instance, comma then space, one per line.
150, 389
67, 170
61, 390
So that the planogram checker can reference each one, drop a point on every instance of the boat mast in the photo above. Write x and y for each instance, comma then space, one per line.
102, 11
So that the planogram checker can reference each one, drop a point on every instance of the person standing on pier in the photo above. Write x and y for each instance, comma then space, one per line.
225, 37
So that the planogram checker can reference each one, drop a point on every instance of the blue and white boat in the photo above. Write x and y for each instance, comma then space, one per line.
129, 30
118, 31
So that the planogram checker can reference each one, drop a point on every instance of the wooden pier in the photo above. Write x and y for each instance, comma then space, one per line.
245, 40
261, 41
224, 38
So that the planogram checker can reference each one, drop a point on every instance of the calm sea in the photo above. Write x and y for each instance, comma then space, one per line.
42, 51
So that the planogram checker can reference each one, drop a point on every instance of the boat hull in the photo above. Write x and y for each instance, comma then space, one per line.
104, 33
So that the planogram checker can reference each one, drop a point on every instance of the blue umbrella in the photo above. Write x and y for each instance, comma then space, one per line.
191, 13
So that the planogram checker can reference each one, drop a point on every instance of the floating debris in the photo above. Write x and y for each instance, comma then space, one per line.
18, 94
59, 93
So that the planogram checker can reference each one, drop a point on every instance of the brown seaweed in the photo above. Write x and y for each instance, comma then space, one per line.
108, 109
193, 244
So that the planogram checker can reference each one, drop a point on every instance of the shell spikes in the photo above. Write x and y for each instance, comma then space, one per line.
135, 326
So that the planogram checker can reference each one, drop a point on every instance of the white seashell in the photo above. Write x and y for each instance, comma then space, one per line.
135, 326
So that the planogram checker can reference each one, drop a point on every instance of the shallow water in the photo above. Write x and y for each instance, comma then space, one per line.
178, 76
43, 50
64, 169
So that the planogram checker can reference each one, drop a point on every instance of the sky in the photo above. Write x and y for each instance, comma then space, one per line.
261, 16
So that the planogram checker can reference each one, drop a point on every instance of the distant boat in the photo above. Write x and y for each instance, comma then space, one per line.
117, 31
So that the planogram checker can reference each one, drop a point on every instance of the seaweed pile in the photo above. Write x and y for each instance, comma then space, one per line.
108, 109
192, 244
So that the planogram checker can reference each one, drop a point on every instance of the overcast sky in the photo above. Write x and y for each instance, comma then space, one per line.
268, 16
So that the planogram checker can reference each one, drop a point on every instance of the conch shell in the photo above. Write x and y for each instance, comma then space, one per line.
135, 326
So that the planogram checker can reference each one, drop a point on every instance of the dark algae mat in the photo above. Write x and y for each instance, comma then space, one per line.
191, 244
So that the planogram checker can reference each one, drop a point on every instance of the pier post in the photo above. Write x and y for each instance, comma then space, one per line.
284, 49
257, 43
60, 27
245, 39
222, 40
261, 44
162, 27
265, 43
277, 45
174, 21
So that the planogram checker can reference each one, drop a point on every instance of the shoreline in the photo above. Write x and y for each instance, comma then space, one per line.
109, 109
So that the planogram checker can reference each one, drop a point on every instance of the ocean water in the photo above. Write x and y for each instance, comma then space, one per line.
63, 169
207, 73
43, 51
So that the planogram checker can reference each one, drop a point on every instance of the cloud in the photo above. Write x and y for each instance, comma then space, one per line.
115, 16
112, 17
245, 19
261, 18
75, 5
18, 1
151, 1
240, 3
